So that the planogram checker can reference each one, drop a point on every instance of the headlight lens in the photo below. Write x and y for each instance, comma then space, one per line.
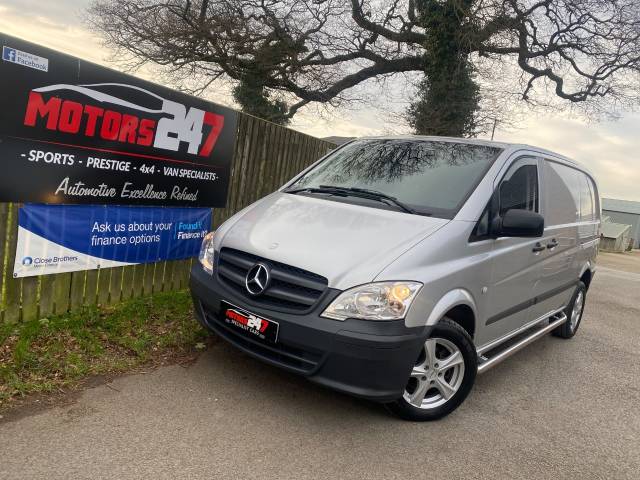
374, 301
206, 253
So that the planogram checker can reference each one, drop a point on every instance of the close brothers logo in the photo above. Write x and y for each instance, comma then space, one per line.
163, 128
47, 261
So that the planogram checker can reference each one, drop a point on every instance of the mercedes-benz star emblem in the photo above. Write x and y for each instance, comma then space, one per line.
257, 279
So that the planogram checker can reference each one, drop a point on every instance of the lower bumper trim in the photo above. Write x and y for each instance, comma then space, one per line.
292, 359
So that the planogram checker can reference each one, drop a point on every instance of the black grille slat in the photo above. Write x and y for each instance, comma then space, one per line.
239, 261
232, 275
285, 276
292, 296
291, 288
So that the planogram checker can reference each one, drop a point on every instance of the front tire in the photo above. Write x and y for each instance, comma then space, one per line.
442, 376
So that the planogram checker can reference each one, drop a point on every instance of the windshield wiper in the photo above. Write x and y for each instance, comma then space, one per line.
374, 195
320, 189
358, 192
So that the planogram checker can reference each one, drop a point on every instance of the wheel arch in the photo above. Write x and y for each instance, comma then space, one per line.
586, 275
459, 306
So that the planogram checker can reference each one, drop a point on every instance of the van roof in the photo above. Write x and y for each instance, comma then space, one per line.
475, 141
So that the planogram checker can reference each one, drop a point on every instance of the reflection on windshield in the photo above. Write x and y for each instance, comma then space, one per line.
434, 175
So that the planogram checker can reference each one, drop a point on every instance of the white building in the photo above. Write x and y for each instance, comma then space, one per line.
623, 212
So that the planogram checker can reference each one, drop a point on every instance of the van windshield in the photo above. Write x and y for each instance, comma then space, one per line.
425, 177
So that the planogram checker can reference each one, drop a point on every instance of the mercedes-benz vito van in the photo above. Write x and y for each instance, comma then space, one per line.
395, 269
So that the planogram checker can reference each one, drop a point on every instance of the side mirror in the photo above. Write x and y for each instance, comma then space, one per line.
518, 223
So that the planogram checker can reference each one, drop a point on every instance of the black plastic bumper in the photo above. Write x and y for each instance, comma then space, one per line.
368, 359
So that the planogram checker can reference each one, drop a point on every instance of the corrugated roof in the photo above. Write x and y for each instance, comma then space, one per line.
614, 230
625, 206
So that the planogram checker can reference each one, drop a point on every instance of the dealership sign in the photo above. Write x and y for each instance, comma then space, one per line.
68, 238
75, 132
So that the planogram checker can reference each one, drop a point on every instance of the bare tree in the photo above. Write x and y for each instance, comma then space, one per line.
583, 52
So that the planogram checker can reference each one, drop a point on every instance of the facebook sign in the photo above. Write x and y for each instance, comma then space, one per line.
9, 54
25, 59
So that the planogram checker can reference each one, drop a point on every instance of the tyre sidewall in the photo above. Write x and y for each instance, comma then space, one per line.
448, 330
580, 288
564, 330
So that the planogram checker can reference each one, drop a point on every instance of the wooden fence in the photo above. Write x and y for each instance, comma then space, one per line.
266, 155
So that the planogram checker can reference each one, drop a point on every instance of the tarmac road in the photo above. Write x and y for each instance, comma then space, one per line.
558, 409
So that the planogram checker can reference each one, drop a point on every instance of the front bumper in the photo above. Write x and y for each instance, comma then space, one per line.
368, 359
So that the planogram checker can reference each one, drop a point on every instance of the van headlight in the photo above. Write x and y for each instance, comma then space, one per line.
374, 301
206, 253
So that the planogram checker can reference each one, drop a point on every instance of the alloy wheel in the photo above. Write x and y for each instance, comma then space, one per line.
576, 313
437, 375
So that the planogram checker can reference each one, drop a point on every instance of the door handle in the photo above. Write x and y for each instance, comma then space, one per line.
552, 244
538, 247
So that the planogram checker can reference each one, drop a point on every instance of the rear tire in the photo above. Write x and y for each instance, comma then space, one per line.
442, 377
574, 312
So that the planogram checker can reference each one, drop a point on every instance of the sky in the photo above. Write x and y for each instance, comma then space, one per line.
611, 150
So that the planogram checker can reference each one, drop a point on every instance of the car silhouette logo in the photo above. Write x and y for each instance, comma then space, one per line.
257, 279
94, 92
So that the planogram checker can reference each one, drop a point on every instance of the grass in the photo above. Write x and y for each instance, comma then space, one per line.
57, 353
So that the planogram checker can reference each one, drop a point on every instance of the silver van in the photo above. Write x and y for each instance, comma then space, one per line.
397, 268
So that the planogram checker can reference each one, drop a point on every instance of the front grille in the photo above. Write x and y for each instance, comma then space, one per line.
299, 360
290, 289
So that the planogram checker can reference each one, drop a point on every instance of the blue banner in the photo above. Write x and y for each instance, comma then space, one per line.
67, 238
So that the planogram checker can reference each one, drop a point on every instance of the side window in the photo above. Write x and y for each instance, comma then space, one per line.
562, 193
482, 227
519, 187
587, 209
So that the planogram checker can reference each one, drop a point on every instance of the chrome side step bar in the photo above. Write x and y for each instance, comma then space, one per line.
486, 363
